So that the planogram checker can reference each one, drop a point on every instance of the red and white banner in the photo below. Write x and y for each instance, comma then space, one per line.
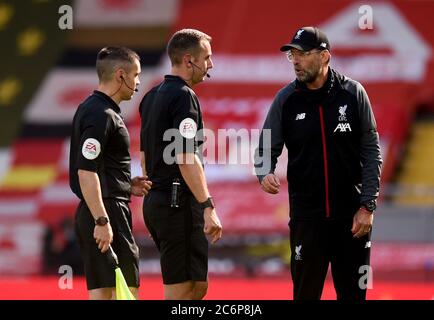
20, 247
125, 13
63, 90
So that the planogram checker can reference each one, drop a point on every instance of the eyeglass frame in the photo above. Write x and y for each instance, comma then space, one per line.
289, 55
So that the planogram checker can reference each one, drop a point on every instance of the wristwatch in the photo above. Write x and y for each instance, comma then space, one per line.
208, 203
101, 221
370, 205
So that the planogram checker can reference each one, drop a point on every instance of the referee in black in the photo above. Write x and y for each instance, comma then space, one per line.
179, 210
100, 175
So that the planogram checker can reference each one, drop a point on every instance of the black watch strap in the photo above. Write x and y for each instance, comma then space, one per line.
208, 203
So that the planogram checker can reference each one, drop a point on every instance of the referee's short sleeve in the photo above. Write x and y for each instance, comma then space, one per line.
185, 123
95, 130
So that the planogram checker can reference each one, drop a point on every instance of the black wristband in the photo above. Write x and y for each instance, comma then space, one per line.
208, 203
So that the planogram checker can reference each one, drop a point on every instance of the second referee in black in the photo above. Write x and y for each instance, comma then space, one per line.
100, 175
179, 210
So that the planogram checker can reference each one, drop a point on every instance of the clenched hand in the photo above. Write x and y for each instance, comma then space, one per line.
213, 226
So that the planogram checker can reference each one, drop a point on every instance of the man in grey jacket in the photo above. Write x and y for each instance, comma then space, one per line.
326, 122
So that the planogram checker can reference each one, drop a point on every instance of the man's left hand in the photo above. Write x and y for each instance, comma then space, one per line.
362, 223
140, 186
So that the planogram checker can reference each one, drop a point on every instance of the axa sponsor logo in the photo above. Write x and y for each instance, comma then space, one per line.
343, 127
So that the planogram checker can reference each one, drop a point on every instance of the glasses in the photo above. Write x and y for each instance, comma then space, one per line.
300, 54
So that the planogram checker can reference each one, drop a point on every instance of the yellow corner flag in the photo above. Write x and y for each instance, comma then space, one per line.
122, 290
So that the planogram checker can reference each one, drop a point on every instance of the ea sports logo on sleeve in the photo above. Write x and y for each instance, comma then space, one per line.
188, 128
91, 149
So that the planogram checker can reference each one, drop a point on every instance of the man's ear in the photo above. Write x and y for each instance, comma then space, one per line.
187, 60
326, 56
119, 74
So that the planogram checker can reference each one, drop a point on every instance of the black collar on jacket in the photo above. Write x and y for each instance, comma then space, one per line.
323, 94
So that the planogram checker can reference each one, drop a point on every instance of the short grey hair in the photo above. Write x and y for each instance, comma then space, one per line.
185, 41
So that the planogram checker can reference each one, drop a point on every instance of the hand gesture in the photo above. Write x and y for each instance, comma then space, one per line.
270, 183
140, 186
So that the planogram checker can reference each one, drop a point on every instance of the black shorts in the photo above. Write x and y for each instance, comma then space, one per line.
98, 269
179, 236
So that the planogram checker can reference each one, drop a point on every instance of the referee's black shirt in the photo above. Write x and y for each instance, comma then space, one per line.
100, 143
171, 124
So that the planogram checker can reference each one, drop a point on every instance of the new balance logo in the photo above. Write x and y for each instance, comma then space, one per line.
342, 127
300, 116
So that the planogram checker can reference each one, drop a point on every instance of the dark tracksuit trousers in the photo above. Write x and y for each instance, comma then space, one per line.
317, 243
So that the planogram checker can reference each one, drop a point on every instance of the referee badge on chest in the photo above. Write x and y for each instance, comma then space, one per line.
188, 128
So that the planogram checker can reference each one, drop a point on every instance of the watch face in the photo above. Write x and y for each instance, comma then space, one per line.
101, 221
371, 206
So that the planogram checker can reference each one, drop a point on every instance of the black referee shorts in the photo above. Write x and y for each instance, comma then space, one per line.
317, 243
98, 270
179, 236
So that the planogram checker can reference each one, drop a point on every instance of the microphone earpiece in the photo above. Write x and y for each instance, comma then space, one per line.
206, 73
135, 90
